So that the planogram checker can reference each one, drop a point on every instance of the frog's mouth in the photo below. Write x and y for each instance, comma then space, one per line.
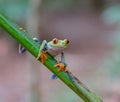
55, 50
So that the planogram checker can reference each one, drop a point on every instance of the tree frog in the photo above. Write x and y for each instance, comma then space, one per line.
53, 47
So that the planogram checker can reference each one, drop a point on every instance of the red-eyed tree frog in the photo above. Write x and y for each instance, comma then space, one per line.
53, 47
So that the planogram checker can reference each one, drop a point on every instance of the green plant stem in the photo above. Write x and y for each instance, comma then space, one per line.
23, 38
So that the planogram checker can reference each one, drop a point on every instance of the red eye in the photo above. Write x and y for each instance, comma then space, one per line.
67, 41
55, 40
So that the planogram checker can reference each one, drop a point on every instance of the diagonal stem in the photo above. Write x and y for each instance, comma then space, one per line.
24, 39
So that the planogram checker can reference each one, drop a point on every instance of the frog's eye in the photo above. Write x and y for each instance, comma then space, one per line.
55, 40
67, 41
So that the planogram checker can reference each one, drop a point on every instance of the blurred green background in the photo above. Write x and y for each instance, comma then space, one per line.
93, 28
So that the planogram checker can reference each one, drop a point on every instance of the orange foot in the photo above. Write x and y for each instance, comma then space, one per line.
60, 65
42, 56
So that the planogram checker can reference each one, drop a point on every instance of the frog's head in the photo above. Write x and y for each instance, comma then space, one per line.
59, 43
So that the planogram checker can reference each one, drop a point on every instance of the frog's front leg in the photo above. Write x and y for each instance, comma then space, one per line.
61, 64
42, 52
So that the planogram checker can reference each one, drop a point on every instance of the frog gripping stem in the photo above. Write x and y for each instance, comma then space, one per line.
34, 48
42, 52
42, 56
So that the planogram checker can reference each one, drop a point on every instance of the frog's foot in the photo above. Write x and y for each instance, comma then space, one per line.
42, 56
60, 65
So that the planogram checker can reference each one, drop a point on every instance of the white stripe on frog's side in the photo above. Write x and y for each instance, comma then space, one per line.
54, 50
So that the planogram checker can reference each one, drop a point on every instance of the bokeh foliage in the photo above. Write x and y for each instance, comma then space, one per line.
59, 4
111, 16
15, 9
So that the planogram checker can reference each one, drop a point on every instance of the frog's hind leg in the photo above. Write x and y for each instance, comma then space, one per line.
22, 49
61, 64
53, 76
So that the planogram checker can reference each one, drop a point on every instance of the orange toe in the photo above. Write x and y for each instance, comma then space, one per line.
60, 69
60, 65
42, 56
56, 65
